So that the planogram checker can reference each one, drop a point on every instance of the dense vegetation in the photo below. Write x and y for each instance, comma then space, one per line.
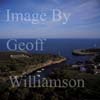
97, 58
9, 65
91, 91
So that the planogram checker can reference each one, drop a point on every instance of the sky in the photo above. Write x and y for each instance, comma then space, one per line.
83, 22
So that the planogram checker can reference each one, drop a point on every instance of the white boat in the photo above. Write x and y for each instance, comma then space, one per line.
42, 69
38, 75
39, 71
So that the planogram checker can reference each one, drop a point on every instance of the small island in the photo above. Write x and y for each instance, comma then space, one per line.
85, 52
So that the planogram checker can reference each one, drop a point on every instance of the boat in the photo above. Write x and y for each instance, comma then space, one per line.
38, 75
42, 69
39, 71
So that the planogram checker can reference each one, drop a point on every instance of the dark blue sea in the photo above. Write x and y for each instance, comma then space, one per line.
62, 47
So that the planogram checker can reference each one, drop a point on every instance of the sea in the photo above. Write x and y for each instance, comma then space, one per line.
63, 47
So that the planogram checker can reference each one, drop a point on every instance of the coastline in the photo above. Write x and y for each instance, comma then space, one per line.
41, 65
86, 52
32, 69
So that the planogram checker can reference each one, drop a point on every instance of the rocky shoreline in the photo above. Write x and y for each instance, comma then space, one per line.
42, 65
86, 52
33, 68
